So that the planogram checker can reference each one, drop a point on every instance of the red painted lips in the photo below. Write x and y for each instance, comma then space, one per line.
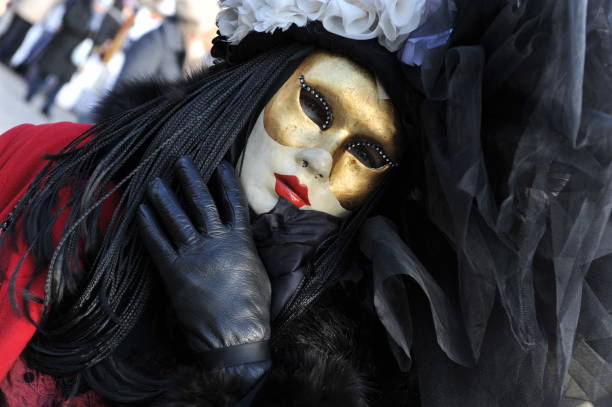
290, 188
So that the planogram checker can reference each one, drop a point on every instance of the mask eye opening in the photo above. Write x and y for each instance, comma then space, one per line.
370, 154
314, 106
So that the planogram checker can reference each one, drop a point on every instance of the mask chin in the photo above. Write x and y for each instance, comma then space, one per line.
269, 169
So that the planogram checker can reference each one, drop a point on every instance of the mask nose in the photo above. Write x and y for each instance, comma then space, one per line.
315, 161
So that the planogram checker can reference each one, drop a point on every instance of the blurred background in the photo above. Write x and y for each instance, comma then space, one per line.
59, 57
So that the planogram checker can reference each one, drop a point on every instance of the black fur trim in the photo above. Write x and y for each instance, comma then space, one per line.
316, 362
306, 377
194, 387
129, 95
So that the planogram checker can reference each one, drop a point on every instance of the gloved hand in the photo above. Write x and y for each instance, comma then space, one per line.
213, 274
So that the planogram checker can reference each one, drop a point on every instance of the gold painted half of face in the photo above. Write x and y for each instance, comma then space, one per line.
331, 103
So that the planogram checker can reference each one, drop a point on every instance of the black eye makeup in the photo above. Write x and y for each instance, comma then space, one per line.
370, 154
315, 106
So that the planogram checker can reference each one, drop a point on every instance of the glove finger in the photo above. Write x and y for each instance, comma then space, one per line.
154, 238
170, 212
203, 209
232, 197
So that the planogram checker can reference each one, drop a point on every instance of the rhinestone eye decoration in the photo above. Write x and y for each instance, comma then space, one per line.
370, 154
319, 111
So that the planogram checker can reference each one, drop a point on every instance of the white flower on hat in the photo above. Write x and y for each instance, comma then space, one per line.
278, 14
351, 19
312, 8
398, 18
391, 21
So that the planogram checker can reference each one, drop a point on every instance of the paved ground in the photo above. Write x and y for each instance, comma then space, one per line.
14, 110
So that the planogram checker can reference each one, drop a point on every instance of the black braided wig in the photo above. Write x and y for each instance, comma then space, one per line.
98, 284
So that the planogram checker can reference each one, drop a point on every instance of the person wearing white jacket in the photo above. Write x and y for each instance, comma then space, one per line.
27, 13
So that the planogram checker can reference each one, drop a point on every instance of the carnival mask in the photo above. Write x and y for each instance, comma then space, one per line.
324, 141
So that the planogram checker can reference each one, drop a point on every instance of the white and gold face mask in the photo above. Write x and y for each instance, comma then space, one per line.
324, 141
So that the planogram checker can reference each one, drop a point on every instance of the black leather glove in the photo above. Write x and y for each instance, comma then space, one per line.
217, 283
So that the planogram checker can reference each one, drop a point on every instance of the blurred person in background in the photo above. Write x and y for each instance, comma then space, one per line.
27, 13
42, 34
99, 74
149, 16
85, 24
3, 6
115, 44
111, 25
175, 48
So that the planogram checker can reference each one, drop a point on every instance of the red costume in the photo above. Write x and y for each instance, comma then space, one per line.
21, 158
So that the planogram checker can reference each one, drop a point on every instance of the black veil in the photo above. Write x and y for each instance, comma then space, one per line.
516, 130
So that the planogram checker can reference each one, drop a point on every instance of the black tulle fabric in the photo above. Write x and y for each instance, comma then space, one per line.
392, 260
517, 128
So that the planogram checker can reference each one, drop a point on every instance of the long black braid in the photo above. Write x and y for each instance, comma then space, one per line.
98, 283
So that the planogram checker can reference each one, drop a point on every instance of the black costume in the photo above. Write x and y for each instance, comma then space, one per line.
483, 283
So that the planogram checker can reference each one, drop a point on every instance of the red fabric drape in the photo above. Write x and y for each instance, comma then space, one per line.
21, 152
